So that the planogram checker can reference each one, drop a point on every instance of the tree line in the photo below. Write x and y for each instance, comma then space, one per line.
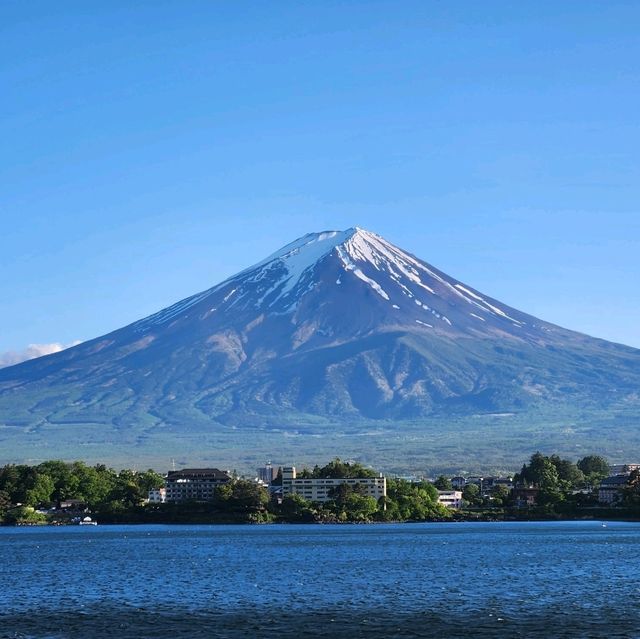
25, 488
563, 488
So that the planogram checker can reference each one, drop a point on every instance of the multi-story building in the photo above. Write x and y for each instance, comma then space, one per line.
450, 498
611, 490
267, 473
320, 490
197, 484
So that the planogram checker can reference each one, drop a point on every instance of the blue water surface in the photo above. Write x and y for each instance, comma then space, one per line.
555, 579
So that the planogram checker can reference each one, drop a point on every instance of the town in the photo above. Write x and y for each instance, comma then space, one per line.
56, 492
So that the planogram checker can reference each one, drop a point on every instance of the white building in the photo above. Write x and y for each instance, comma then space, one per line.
320, 489
450, 498
157, 496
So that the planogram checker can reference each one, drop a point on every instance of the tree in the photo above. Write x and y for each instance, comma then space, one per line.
360, 507
631, 494
337, 469
127, 490
5, 503
24, 515
41, 491
241, 496
542, 473
95, 485
66, 484
443, 483
10, 481
296, 508
412, 501
16, 480
500, 494
471, 494
568, 472
594, 467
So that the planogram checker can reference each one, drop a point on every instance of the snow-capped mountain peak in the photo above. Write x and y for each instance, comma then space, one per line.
336, 269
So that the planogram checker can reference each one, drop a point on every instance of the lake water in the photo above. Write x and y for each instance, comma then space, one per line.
569, 579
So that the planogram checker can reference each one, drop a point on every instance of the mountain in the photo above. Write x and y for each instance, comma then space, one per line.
338, 343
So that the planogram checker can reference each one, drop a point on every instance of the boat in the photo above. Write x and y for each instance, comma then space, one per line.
87, 521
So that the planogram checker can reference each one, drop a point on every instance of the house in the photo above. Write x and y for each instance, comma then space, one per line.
507, 482
320, 489
458, 483
611, 489
450, 498
73, 505
194, 484
524, 497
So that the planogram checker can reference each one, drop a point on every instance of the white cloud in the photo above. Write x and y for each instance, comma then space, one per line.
9, 358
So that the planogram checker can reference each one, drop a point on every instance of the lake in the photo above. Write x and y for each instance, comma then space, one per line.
547, 579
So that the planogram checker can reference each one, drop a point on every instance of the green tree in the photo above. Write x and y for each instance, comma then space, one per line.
360, 507
241, 496
471, 494
296, 508
17, 480
9, 482
542, 473
5, 503
96, 485
412, 501
41, 491
337, 469
127, 491
594, 467
631, 493
568, 473
66, 485
24, 515
500, 495
443, 483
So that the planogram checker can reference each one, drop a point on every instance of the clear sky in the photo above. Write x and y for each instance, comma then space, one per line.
150, 149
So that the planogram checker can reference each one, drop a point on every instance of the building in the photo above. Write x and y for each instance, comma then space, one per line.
450, 498
523, 497
73, 505
267, 473
157, 496
458, 483
623, 469
197, 484
611, 489
320, 489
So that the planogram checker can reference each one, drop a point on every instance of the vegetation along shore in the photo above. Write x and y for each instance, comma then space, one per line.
547, 487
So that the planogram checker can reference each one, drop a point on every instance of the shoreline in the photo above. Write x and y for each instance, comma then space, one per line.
457, 520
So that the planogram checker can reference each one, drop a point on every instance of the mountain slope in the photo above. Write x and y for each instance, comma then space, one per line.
336, 334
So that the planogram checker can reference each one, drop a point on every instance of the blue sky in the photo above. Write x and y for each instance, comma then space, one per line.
151, 149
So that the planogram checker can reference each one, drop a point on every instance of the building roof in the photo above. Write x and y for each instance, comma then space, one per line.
615, 481
198, 473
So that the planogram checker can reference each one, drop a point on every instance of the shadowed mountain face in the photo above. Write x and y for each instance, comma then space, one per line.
336, 331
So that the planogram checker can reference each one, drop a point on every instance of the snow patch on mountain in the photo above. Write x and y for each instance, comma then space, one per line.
280, 282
